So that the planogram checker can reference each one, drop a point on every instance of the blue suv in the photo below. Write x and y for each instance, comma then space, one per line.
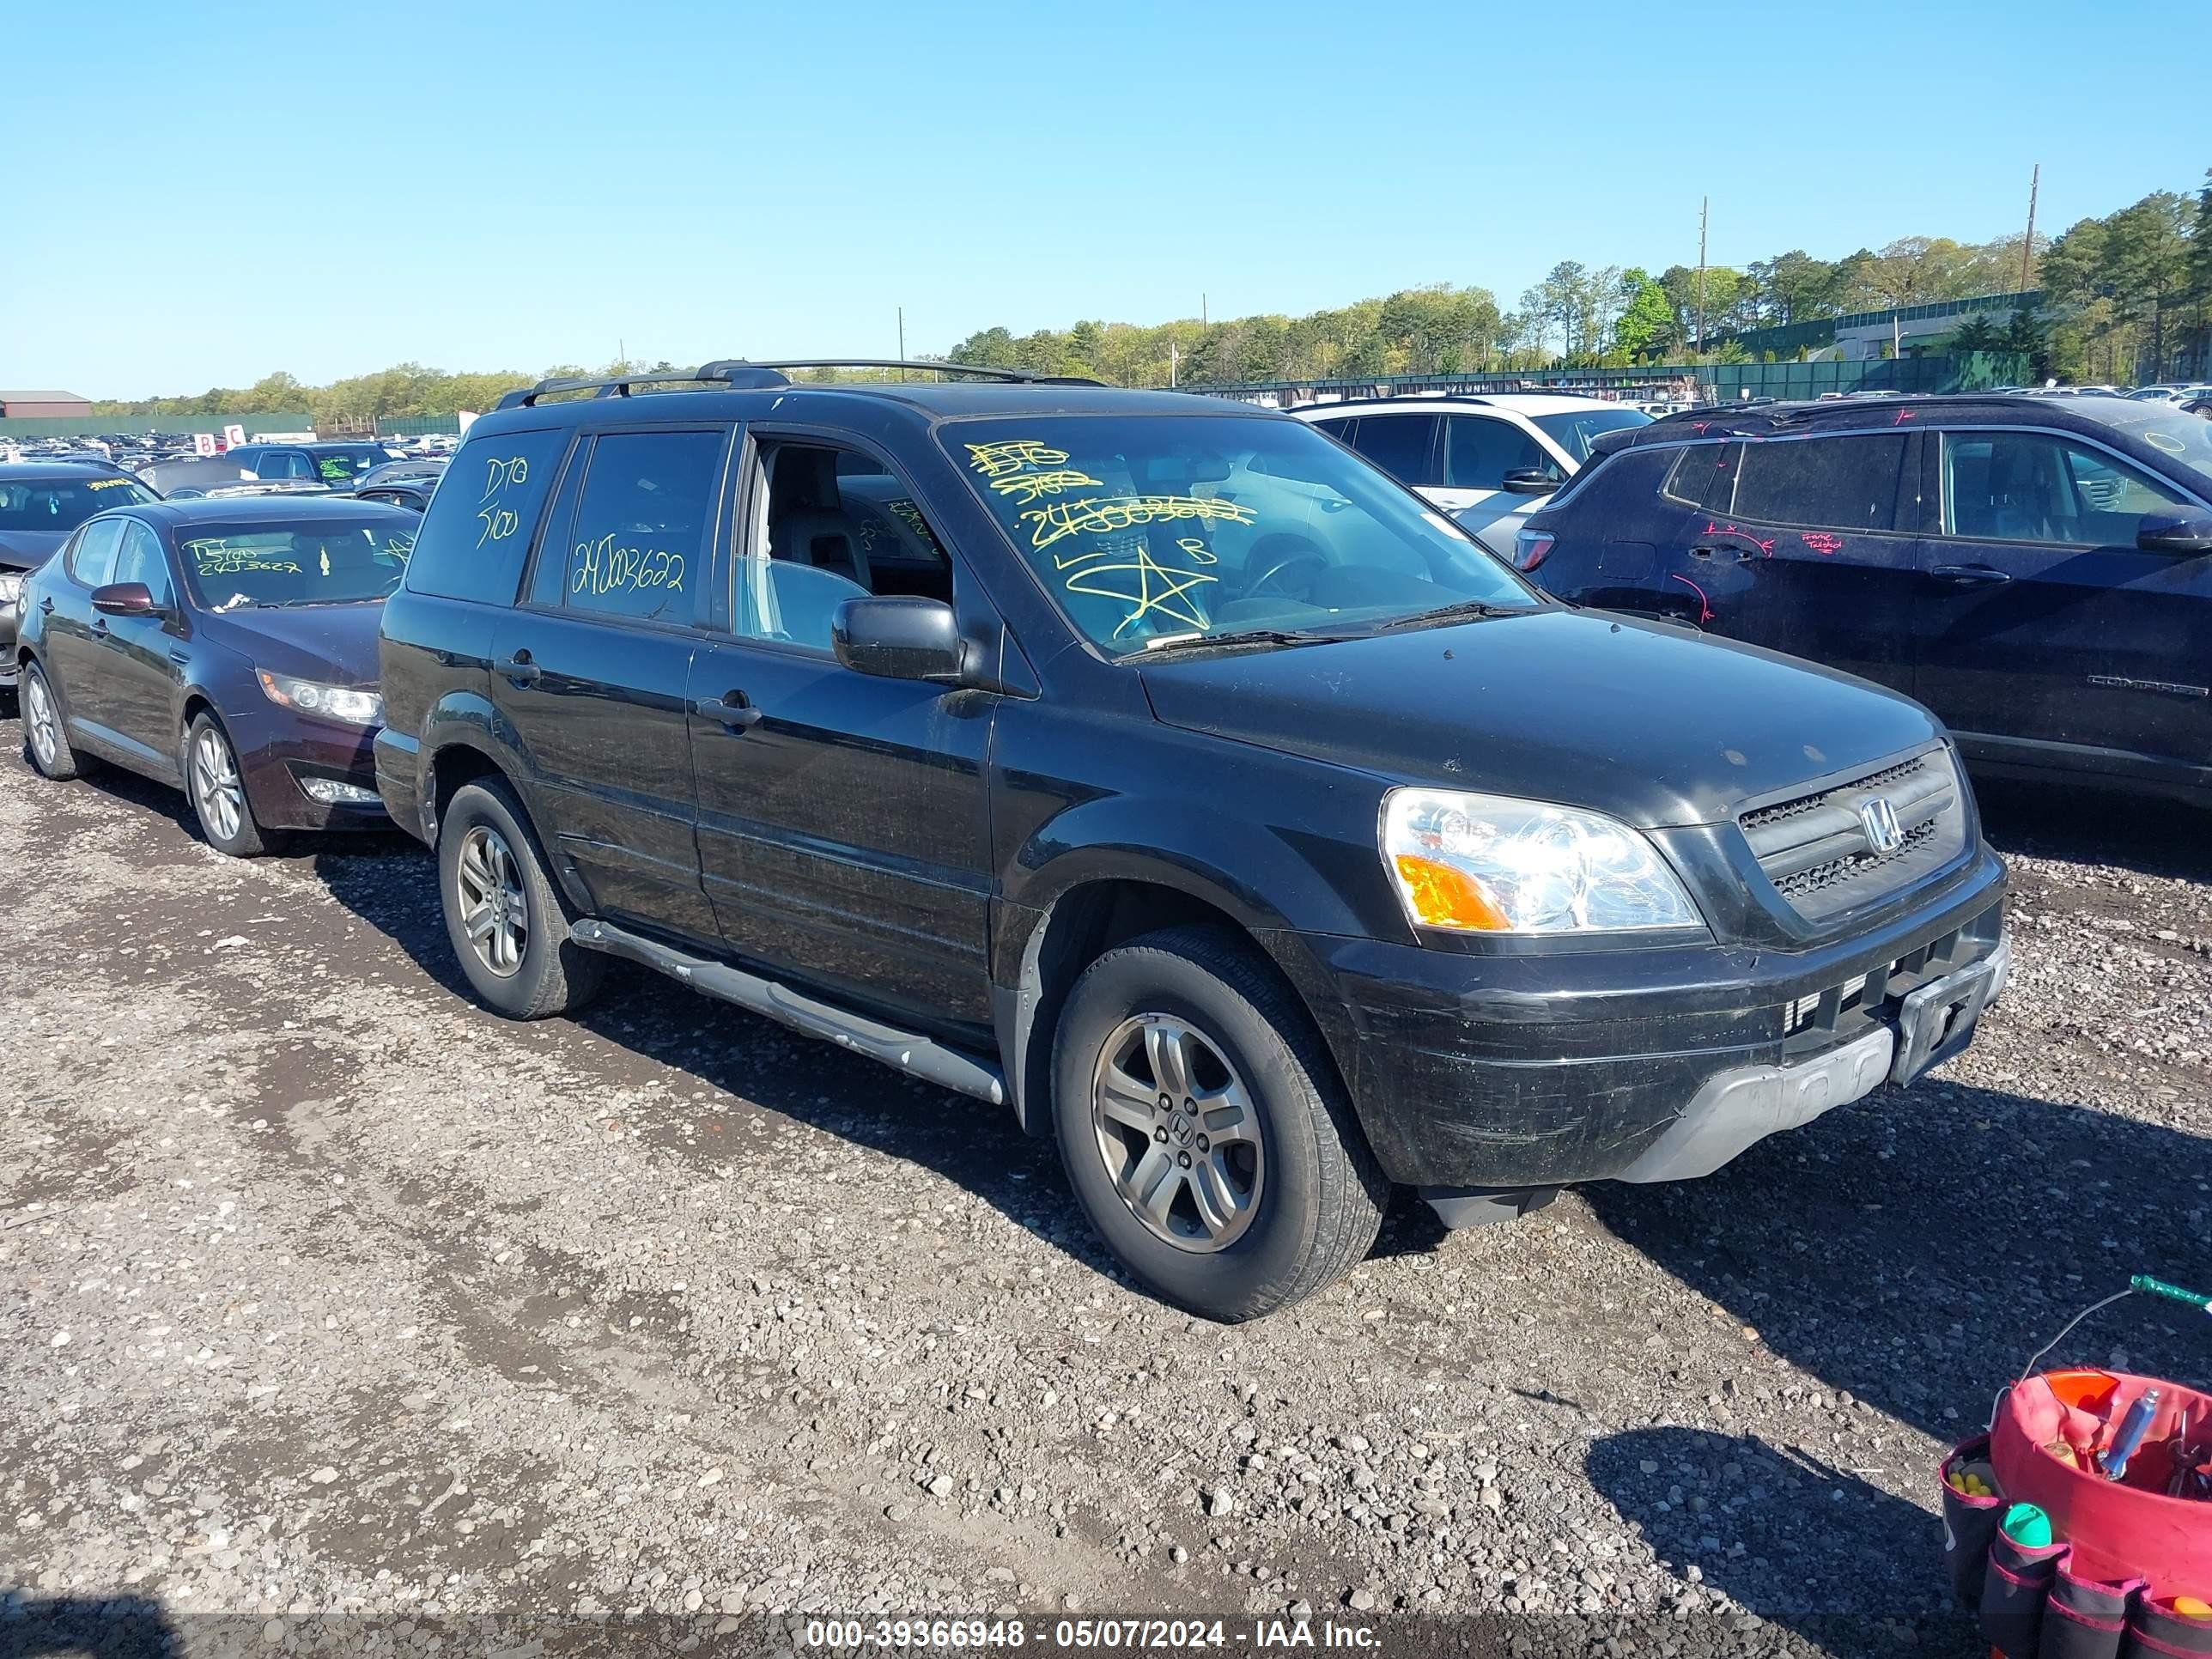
2038, 573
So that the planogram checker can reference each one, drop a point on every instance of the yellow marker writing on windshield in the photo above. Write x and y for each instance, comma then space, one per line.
1109, 513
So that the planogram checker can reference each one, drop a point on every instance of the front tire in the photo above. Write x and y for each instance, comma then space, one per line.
215, 785
46, 741
1204, 1130
507, 924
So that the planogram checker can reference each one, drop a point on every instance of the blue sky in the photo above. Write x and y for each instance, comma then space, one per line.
332, 189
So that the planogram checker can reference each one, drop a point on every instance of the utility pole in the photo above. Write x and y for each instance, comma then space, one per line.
1703, 202
1171, 364
902, 350
1201, 311
2027, 247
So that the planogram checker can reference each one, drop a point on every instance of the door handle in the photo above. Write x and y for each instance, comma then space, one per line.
180, 657
1970, 575
520, 669
731, 709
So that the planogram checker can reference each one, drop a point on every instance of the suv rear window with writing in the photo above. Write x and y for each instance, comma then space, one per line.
480, 522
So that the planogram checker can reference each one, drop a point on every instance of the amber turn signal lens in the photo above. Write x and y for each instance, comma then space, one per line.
1445, 897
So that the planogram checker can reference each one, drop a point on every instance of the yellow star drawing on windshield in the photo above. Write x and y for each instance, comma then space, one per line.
1156, 588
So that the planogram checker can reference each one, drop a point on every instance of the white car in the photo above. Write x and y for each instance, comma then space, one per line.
1494, 451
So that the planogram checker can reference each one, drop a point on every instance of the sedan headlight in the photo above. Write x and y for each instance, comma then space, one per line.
336, 702
11, 589
1489, 864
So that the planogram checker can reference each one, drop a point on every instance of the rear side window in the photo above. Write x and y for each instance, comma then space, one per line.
1402, 445
284, 464
1690, 474
92, 560
1821, 483
644, 525
481, 520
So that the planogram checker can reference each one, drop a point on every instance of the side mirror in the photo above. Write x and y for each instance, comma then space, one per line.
2174, 532
1531, 481
125, 600
898, 637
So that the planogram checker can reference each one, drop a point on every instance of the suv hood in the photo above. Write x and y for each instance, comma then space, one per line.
1653, 725
335, 644
27, 550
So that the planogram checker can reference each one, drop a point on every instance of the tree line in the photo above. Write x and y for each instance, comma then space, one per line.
2125, 297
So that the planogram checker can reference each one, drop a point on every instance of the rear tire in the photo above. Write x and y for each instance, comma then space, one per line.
45, 740
1281, 1199
215, 786
506, 921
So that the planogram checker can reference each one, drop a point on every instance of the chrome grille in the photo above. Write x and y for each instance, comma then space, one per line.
1820, 849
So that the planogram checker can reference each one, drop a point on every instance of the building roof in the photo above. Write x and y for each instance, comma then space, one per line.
7, 397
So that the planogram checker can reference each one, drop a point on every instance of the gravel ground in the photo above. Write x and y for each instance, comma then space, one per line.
328, 1295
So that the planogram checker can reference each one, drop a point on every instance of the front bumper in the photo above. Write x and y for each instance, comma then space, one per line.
278, 751
1543, 1068
9, 621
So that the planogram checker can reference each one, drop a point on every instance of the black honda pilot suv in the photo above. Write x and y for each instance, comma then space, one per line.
1160, 768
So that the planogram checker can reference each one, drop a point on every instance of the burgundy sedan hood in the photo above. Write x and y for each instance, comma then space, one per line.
335, 644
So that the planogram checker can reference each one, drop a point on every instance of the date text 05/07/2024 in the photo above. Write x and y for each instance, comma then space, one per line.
1279, 1635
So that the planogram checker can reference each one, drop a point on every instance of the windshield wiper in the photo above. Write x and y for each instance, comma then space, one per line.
1465, 610
1166, 643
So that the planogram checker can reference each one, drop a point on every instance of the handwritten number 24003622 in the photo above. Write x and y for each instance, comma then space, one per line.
602, 567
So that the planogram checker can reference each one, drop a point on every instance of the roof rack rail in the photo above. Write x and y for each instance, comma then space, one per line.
741, 373
1020, 375
735, 373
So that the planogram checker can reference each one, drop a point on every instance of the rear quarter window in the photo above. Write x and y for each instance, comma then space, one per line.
477, 530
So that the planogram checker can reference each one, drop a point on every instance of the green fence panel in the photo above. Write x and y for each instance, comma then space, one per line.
1713, 382
418, 426
98, 426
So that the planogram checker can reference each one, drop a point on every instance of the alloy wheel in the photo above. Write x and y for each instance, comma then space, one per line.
494, 912
45, 723
216, 791
1178, 1131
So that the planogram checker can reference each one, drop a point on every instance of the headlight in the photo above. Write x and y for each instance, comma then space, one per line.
11, 588
1488, 864
336, 702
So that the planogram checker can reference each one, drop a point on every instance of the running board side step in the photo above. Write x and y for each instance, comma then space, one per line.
924, 1057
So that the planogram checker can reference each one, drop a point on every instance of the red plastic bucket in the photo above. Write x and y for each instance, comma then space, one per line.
2118, 1531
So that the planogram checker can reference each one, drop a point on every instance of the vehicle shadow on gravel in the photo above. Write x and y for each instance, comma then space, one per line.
1915, 1250
85, 1627
977, 1146
2152, 838
1795, 1540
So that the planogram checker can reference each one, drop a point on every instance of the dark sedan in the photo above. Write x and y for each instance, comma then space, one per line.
40, 502
225, 647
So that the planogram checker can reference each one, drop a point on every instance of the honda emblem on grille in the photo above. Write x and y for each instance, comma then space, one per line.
1879, 819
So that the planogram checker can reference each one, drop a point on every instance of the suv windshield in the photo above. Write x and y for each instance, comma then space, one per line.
52, 505
1575, 432
1147, 528
2173, 430
330, 561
